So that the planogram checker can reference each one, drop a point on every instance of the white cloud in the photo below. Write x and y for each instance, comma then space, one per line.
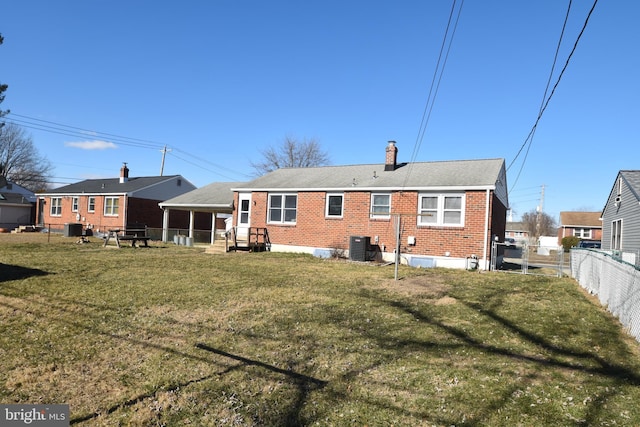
91, 145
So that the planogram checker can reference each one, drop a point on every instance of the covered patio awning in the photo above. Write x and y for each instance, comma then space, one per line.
215, 198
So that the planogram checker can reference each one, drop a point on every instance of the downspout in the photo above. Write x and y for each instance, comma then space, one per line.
486, 232
124, 214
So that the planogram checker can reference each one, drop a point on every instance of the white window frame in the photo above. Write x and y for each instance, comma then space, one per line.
75, 203
91, 204
282, 208
584, 233
111, 209
326, 210
616, 235
373, 214
440, 210
56, 206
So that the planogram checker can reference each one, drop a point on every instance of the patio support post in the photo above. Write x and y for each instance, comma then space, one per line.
213, 227
165, 225
192, 216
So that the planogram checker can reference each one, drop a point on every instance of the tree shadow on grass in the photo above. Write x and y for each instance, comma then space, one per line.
304, 383
557, 356
10, 272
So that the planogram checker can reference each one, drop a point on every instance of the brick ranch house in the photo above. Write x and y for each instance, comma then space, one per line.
102, 204
583, 225
448, 211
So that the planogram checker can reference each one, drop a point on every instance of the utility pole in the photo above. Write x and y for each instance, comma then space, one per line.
539, 216
164, 153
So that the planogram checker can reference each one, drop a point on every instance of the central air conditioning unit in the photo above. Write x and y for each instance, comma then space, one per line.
358, 247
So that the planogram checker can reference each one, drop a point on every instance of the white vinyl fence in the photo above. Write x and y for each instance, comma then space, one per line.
614, 281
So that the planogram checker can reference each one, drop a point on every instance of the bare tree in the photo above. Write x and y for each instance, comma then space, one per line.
539, 224
291, 154
2, 89
19, 160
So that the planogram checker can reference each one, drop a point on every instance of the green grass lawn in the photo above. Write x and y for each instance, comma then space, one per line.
169, 335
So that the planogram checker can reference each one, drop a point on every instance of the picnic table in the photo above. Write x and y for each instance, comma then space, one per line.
133, 235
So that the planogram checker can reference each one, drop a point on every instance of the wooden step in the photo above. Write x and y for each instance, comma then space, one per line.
218, 247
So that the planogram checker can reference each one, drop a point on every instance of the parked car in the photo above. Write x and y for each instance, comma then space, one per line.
509, 241
590, 244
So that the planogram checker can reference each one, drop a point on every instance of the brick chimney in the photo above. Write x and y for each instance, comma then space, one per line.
124, 173
391, 157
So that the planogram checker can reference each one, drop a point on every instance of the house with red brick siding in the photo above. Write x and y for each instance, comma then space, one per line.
587, 226
111, 203
436, 214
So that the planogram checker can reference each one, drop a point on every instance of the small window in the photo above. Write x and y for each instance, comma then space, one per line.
92, 204
111, 206
283, 208
74, 204
334, 205
441, 209
56, 206
380, 205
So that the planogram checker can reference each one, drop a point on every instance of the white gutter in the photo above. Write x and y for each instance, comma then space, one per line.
372, 189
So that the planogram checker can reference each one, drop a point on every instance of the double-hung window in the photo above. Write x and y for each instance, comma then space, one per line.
380, 205
616, 235
74, 204
335, 205
56, 206
92, 204
441, 209
584, 233
283, 208
111, 206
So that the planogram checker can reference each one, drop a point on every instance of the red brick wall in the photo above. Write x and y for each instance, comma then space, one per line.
596, 233
141, 211
313, 229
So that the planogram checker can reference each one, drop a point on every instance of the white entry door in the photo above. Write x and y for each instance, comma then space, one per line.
244, 215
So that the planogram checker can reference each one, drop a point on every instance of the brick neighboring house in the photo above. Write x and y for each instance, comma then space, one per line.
583, 225
102, 204
450, 211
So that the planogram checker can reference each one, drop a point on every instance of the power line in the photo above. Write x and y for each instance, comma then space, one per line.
435, 83
53, 127
78, 132
528, 141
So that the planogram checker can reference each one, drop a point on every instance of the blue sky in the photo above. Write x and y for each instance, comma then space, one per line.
99, 83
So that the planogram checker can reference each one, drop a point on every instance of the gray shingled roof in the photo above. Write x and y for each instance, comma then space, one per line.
110, 185
461, 174
516, 226
217, 195
15, 199
632, 177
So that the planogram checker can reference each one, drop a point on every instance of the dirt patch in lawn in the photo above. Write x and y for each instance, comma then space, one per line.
424, 286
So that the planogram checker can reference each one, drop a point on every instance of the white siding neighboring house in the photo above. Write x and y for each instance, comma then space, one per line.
621, 217
17, 206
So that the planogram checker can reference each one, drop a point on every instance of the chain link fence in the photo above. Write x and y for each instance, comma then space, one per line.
529, 259
615, 282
